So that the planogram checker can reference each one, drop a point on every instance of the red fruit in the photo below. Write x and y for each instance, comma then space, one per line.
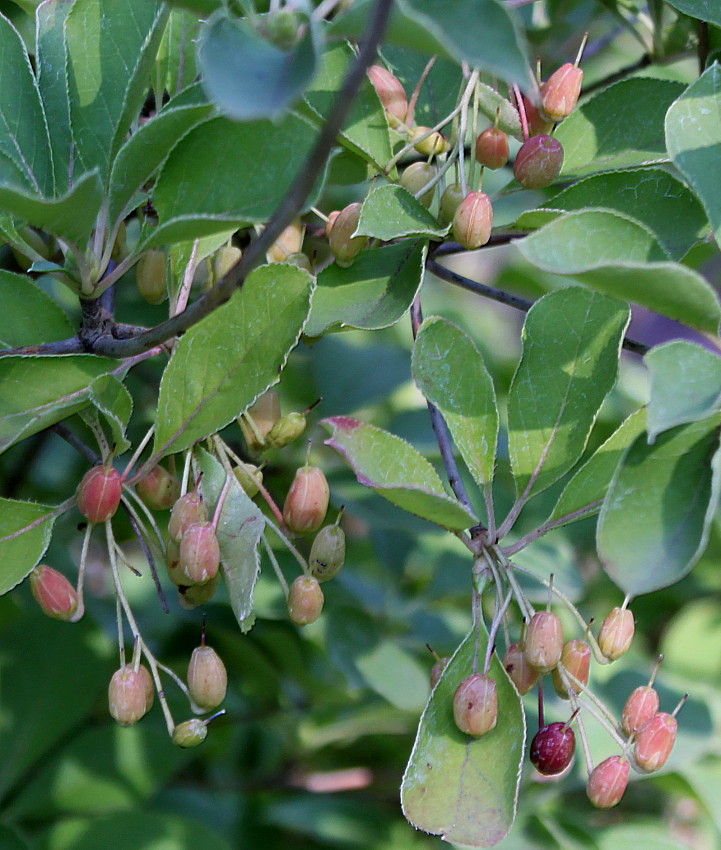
576, 658
188, 509
473, 220
437, 670
391, 93
158, 489
608, 781
127, 696
418, 175
492, 148
560, 92
343, 245
538, 162
640, 707
207, 678
616, 633
54, 593
655, 741
199, 556
99, 493
537, 123
305, 600
544, 641
520, 672
475, 705
552, 748
307, 501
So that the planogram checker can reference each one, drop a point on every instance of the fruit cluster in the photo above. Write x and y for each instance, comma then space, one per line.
645, 734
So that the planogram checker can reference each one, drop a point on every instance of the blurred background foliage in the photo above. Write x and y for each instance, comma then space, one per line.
320, 721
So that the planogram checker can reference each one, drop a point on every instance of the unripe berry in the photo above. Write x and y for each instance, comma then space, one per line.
655, 741
327, 554
249, 477
608, 781
640, 707
576, 658
475, 705
150, 276
199, 553
538, 162
207, 678
197, 594
473, 220
560, 92
343, 245
298, 258
416, 176
492, 148
391, 93
159, 489
287, 429
224, 260
449, 203
188, 509
54, 593
305, 600
437, 670
281, 27
99, 493
190, 733
616, 633
265, 412
552, 748
433, 144
544, 641
537, 123
307, 501
520, 672
290, 241
127, 696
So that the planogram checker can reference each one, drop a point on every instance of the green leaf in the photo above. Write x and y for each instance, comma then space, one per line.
651, 196
655, 521
24, 144
396, 675
365, 130
461, 788
28, 315
704, 10
480, 32
113, 400
614, 254
110, 46
374, 292
144, 152
225, 361
240, 528
685, 385
175, 65
449, 370
252, 186
23, 539
70, 217
571, 345
693, 136
585, 492
139, 828
39, 391
620, 126
390, 212
396, 471
232, 50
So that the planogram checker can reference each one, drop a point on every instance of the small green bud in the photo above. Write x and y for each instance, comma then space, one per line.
418, 175
190, 733
224, 260
150, 276
287, 429
249, 477
433, 144
450, 201
327, 554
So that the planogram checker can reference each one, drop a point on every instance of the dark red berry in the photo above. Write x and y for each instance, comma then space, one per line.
552, 748
538, 162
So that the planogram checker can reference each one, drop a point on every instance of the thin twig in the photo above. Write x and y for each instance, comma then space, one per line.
506, 298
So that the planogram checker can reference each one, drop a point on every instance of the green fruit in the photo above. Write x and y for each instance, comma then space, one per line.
415, 177
190, 733
150, 276
327, 554
159, 489
344, 246
287, 429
